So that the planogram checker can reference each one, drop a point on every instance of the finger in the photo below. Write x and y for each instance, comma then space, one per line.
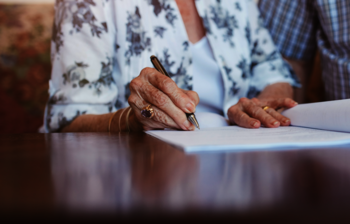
192, 95
158, 99
169, 87
159, 121
137, 103
257, 102
282, 103
257, 112
237, 116
284, 121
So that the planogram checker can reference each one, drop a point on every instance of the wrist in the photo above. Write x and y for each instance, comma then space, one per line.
134, 124
277, 90
125, 120
116, 122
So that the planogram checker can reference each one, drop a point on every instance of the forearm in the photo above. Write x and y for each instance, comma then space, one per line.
281, 90
100, 123
89, 123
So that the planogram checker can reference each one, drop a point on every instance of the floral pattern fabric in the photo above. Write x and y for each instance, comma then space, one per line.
100, 46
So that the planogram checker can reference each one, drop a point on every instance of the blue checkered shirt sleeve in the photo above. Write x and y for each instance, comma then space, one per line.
293, 26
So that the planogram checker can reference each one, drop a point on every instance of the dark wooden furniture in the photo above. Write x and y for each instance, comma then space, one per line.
110, 177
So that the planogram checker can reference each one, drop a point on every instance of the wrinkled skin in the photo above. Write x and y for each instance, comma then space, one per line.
169, 102
250, 113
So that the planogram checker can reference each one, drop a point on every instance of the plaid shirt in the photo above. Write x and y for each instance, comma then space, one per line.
299, 27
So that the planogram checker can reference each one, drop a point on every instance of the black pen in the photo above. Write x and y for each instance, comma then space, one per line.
157, 65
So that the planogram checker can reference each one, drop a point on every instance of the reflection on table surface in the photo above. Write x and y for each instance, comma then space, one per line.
125, 172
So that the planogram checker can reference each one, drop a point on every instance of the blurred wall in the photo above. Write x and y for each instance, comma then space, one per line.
25, 32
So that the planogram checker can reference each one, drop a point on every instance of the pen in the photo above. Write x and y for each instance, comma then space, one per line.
157, 65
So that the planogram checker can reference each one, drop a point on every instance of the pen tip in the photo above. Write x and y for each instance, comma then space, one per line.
194, 121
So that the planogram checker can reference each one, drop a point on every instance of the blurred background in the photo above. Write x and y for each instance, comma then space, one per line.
25, 32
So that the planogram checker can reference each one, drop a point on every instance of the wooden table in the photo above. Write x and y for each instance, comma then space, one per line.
87, 176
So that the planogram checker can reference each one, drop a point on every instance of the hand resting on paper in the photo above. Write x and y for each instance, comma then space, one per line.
249, 113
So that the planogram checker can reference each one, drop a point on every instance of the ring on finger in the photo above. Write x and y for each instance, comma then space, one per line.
147, 111
265, 108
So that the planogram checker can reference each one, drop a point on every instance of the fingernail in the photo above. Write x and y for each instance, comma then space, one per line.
254, 124
187, 125
189, 108
275, 123
192, 128
295, 103
286, 121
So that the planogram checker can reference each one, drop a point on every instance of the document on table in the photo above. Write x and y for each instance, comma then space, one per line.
314, 124
330, 115
237, 138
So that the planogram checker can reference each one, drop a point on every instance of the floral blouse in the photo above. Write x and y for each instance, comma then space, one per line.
99, 46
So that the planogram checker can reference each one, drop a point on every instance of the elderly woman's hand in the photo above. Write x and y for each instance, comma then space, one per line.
249, 113
169, 102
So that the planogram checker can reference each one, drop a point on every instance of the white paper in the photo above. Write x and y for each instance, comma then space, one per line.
210, 120
330, 115
333, 117
237, 138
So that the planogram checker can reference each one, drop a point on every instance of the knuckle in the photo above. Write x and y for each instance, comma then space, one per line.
160, 99
271, 111
256, 101
136, 84
167, 84
132, 99
255, 111
231, 111
243, 100
145, 71
241, 117
178, 98
161, 117
135, 100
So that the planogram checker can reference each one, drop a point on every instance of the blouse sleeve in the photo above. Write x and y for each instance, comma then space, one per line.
83, 46
267, 65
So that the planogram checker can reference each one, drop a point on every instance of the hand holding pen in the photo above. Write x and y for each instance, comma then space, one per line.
158, 103
156, 63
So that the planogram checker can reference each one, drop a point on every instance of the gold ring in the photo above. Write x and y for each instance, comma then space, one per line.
265, 108
147, 111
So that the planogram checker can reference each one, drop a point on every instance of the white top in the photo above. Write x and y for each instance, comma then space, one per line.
207, 79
